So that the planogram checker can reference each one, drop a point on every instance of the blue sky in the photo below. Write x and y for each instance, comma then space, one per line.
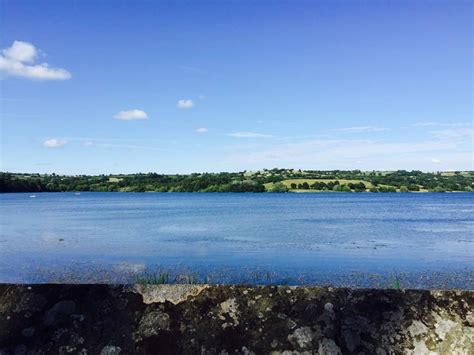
92, 87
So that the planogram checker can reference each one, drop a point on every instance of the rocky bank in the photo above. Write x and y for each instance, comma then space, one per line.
193, 319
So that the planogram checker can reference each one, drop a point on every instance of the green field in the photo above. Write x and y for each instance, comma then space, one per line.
114, 179
288, 183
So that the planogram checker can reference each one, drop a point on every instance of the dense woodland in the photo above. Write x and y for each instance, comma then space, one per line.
275, 180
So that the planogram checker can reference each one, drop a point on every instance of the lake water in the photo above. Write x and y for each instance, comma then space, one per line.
421, 240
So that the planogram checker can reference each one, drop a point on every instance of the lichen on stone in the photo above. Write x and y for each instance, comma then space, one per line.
231, 309
168, 293
302, 338
152, 324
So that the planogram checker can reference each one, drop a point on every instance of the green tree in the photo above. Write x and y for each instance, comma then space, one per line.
345, 188
279, 187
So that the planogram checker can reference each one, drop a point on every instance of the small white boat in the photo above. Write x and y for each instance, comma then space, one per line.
78, 193
32, 196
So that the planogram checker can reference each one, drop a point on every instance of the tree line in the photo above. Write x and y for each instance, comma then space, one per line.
245, 181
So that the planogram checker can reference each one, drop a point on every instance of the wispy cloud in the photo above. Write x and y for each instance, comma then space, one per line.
361, 129
54, 143
356, 153
123, 143
185, 104
19, 60
202, 130
191, 69
249, 135
441, 124
128, 146
96, 140
131, 115
454, 133
5, 114
332, 149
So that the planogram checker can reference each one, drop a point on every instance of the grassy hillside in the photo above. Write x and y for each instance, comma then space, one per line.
288, 182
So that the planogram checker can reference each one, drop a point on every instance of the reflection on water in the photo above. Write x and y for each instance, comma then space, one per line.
324, 238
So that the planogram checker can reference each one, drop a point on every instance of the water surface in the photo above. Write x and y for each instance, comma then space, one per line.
423, 240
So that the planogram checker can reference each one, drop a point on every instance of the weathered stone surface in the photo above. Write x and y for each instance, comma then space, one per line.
152, 324
60, 311
168, 293
110, 350
171, 319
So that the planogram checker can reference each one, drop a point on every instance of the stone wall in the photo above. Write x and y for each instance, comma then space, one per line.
191, 319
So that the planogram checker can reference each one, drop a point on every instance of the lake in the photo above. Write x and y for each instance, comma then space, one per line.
423, 240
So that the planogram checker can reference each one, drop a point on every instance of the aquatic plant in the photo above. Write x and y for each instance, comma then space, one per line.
162, 278
153, 278
396, 283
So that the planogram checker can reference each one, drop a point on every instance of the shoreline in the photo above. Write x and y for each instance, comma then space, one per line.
237, 193
274, 180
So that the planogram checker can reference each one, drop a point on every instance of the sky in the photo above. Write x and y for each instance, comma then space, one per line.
105, 87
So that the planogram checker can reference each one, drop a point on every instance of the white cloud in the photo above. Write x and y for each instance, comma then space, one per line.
54, 143
21, 52
185, 103
18, 60
249, 135
362, 129
131, 115
202, 130
88, 144
436, 161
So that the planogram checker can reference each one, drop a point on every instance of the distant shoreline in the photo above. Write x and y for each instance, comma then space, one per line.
274, 180
229, 192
